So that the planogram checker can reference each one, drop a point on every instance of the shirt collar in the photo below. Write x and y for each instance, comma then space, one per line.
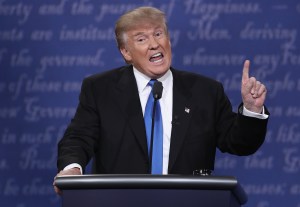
142, 80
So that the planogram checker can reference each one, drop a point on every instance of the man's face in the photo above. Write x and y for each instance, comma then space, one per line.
148, 48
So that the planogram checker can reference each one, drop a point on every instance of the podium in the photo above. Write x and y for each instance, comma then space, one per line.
150, 191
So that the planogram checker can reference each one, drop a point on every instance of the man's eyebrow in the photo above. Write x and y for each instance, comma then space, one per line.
143, 33
138, 33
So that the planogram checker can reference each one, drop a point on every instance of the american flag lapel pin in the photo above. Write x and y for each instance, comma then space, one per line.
187, 110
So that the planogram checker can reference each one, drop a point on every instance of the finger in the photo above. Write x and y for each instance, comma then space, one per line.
261, 90
253, 80
251, 85
245, 75
57, 190
256, 89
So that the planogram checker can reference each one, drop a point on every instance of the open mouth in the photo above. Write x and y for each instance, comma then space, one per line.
156, 57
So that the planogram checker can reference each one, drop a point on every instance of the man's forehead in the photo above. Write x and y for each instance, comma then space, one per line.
145, 28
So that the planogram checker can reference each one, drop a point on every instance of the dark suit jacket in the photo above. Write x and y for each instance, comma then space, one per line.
109, 125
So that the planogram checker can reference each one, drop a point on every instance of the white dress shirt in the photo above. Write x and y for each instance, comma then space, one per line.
166, 106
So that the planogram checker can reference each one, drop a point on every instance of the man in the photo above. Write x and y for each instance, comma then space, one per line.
196, 114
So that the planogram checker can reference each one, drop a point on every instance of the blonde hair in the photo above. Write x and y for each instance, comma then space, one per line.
136, 17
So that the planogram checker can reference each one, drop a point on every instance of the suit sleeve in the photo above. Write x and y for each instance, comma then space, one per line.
79, 141
238, 134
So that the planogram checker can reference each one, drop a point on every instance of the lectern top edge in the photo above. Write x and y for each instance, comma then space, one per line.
143, 181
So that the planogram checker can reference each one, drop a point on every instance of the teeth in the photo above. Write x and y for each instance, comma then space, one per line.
156, 55
157, 61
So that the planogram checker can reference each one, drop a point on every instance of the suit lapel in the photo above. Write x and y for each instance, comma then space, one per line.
126, 94
182, 110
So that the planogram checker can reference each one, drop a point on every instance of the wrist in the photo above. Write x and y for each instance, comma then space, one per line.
258, 110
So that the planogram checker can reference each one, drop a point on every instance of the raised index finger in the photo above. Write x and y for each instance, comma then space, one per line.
245, 76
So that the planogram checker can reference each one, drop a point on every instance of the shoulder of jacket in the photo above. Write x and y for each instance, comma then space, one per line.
192, 77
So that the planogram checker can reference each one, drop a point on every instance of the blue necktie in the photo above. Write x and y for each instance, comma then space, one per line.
157, 150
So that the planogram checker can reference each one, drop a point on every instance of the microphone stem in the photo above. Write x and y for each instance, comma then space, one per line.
152, 134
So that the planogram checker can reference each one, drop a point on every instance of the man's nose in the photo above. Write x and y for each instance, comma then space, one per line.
153, 43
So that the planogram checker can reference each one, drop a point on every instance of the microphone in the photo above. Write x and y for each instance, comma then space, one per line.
157, 89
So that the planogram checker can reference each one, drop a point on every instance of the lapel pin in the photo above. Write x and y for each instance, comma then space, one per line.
187, 110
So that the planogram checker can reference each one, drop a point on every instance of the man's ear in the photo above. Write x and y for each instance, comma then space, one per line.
126, 54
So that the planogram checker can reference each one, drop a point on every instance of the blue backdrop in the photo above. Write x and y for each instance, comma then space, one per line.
47, 47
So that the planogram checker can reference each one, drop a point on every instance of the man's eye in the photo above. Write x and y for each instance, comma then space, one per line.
141, 39
158, 34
